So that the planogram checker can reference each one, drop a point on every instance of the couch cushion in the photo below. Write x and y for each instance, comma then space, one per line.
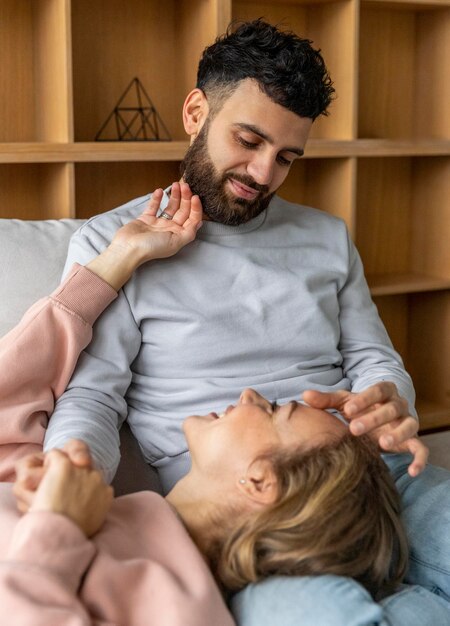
32, 256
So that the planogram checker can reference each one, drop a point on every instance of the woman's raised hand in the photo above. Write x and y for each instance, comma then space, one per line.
150, 237
155, 237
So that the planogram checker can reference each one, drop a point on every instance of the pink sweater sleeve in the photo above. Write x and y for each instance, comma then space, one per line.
140, 568
42, 572
37, 359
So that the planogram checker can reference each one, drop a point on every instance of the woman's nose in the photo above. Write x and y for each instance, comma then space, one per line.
249, 396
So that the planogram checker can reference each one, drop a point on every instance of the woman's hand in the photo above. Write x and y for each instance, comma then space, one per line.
150, 237
79, 493
380, 412
30, 471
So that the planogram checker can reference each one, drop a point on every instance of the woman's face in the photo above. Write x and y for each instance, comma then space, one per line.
248, 429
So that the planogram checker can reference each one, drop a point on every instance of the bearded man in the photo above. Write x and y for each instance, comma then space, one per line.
270, 295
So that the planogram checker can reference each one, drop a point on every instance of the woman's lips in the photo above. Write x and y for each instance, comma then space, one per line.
243, 191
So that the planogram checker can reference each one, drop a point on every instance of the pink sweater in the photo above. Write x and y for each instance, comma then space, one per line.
142, 567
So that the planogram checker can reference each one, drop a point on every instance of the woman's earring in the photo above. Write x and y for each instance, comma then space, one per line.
242, 481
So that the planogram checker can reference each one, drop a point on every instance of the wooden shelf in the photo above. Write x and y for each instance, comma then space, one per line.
85, 152
432, 415
417, 5
79, 152
389, 284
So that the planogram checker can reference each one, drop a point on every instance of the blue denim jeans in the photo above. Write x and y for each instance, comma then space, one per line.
423, 599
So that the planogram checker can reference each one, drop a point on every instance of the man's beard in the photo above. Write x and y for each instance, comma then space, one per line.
204, 180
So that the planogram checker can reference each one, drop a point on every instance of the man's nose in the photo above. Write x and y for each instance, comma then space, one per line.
260, 168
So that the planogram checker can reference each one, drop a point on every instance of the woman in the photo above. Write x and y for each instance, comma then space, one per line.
253, 503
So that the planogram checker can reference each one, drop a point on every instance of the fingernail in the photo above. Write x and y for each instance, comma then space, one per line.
351, 409
79, 454
388, 441
358, 428
199, 225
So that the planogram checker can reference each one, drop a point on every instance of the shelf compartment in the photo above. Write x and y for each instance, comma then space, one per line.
326, 184
419, 327
36, 191
389, 284
116, 41
403, 224
35, 82
100, 187
331, 26
403, 83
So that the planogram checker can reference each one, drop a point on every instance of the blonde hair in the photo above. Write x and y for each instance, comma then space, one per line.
338, 512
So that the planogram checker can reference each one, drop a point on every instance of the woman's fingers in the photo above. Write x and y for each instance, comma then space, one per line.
154, 203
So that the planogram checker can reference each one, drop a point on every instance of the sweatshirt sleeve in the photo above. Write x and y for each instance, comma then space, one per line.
37, 358
93, 406
42, 572
368, 354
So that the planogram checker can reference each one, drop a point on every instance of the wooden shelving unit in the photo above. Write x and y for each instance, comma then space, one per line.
381, 160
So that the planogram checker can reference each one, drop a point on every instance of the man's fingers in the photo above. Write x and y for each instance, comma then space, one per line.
406, 429
420, 454
380, 415
322, 400
377, 394
79, 453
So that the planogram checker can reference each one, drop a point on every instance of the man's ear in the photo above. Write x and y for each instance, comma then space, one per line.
260, 483
195, 112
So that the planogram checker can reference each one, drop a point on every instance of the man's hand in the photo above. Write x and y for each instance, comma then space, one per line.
381, 412
31, 469
79, 493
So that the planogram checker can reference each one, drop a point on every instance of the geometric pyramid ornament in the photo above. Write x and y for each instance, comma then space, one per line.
134, 118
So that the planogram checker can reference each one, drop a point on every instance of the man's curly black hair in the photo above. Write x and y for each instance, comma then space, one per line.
286, 67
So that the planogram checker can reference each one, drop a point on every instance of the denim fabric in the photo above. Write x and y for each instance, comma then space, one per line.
424, 599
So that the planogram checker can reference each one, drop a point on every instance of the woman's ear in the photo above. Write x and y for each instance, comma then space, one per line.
195, 112
260, 483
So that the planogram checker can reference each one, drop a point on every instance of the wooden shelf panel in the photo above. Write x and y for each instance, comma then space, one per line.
416, 5
323, 148
41, 152
36, 191
100, 187
402, 224
432, 415
35, 81
391, 284
403, 84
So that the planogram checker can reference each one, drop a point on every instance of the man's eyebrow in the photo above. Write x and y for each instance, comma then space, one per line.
258, 131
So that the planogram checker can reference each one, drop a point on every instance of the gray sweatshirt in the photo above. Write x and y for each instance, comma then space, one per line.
279, 304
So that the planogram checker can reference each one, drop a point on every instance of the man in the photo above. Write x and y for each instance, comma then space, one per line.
270, 295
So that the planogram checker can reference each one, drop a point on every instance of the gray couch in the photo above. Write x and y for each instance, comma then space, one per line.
32, 255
